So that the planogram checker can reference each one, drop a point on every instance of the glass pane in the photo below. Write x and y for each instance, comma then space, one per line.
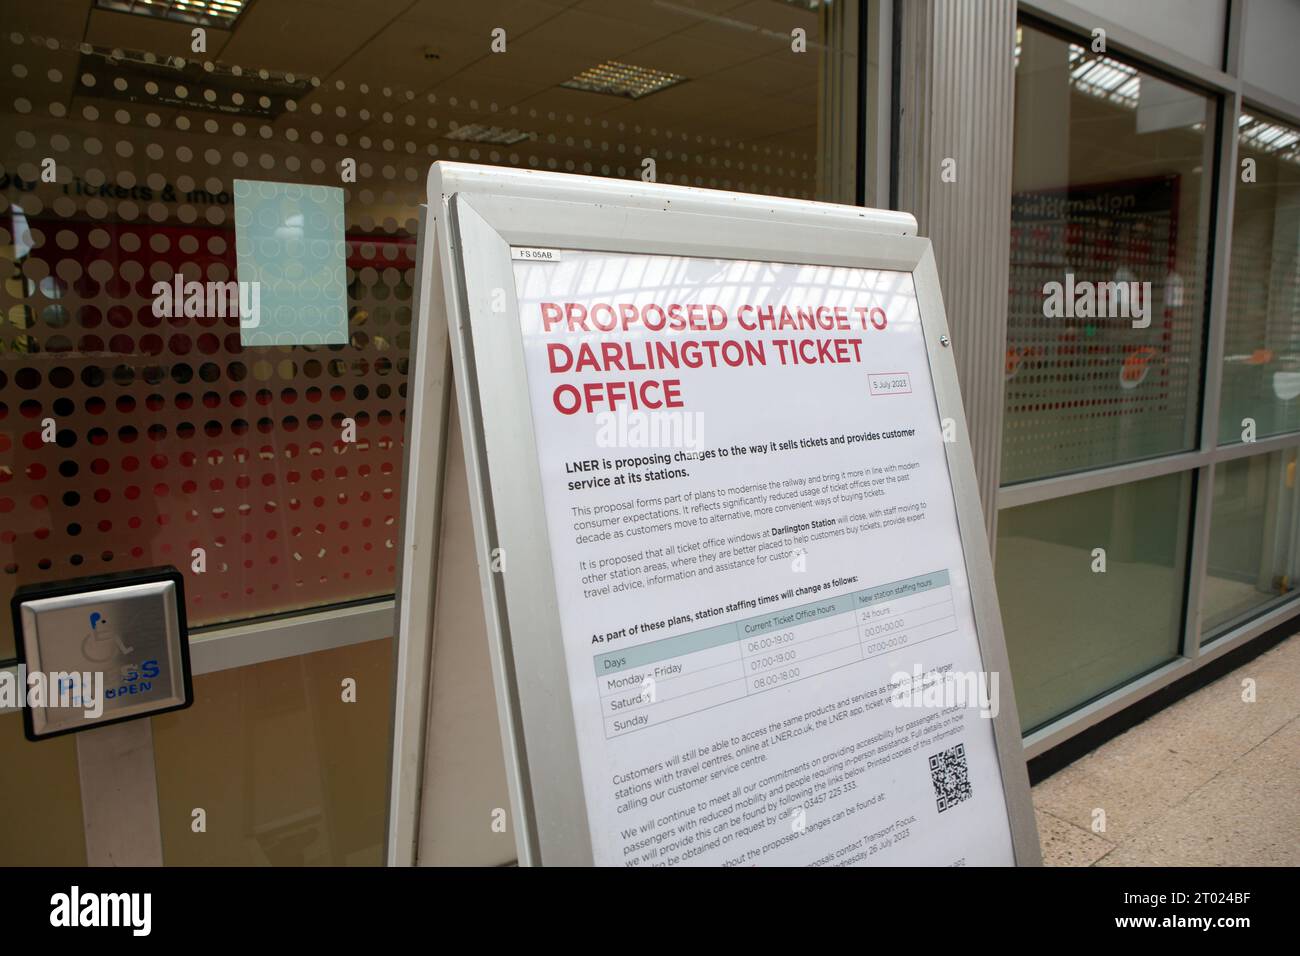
1261, 349
1091, 588
286, 772
171, 436
1253, 530
1110, 217
171, 433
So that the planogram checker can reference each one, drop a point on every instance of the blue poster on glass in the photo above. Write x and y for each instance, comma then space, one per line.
292, 266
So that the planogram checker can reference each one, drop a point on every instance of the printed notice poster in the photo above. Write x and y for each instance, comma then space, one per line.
768, 630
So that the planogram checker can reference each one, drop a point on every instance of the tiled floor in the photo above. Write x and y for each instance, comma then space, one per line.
1213, 780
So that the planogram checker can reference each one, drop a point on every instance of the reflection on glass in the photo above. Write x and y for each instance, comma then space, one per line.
1091, 588
1253, 539
1109, 224
1261, 350
174, 433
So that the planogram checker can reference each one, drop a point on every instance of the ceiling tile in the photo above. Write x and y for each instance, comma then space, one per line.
306, 36
65, 20
693, 58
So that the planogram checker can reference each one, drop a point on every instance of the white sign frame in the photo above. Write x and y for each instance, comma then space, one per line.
476, 215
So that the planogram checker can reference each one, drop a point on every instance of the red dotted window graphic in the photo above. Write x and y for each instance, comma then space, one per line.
169, 436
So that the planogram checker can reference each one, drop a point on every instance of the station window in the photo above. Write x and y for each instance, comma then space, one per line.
118, 167
120, 149
1252, 560
1261, 352
1092, 587
1110, 218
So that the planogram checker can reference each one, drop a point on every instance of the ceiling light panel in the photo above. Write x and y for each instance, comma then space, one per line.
623, 79
495, 135
206, 13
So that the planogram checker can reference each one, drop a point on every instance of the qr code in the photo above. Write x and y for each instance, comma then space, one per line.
949, 774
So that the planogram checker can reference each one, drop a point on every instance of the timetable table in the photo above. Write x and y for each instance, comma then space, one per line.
686, 673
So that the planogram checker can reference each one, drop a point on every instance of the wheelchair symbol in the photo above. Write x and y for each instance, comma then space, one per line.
101, 641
